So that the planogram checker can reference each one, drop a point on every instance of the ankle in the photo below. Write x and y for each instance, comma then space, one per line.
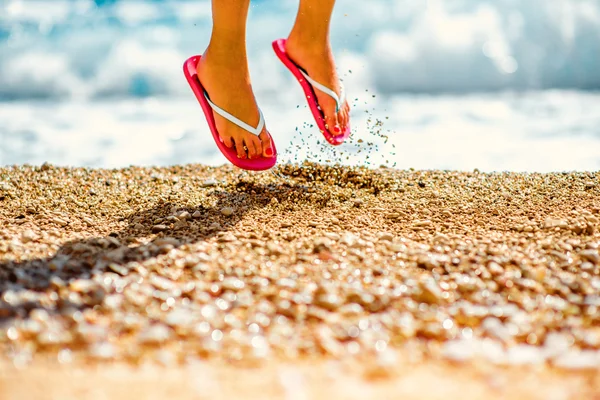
308, 45
224, 57
309, 38
227, 47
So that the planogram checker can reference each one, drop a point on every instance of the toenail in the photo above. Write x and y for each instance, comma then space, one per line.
269, 152
337, 129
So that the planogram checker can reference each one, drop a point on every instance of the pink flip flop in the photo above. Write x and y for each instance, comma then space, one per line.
256, 164
309, 85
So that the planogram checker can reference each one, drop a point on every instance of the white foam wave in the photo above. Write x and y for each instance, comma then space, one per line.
545, 131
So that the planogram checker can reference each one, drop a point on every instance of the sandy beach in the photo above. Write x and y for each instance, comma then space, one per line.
307, 282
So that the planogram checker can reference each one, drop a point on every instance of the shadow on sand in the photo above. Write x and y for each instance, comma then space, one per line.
80, 258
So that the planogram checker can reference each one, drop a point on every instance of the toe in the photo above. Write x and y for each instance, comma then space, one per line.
254, 147
227, 141
267, 148
239, 147
344, 117
332, 122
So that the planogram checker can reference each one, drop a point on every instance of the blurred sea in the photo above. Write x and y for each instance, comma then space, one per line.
448, 84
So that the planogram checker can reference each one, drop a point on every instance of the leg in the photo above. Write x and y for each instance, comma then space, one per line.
223, 71
308, 46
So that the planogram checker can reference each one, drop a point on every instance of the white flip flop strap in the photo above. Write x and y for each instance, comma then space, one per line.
255, 131
339, 101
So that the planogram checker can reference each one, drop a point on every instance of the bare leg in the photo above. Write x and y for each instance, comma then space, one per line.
308, 46
223, 71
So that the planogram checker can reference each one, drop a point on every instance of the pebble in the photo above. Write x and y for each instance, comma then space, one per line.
88, 221
233, 284
495, 268
555, 223
350, 309
155, 334
119, 269
275, 249
59, 221
113, 302
385, 236
227, 211
161, 283
184, 215
332, 236
396, 247
179, 317
440, 237
83, 285
349, 239
323, 242
429, 292
159, 228
286, 283
328, 301
103, 351
209, 182
28, 236
423, 223
591, 256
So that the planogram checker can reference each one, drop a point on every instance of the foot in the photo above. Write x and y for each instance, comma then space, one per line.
227, 82
316, 59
